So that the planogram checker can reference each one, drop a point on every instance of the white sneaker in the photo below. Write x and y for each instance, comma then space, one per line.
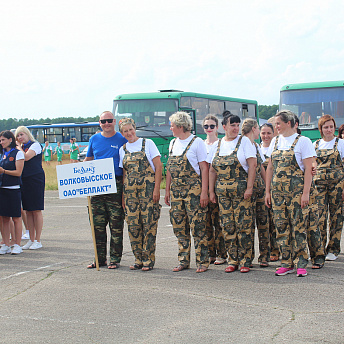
331, 256
36, 244
5, 249
27, 245
16, 249
26, 236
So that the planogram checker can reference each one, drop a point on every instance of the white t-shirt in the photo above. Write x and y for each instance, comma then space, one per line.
246, 150
264, 149
196, 154
210, 146
303, 149
151, 151
19, 156
330, 144
46, 150
36, 147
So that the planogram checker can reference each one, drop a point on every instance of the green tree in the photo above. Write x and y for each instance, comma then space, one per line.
267, 111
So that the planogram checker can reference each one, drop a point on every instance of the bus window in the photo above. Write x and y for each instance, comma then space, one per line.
185, 102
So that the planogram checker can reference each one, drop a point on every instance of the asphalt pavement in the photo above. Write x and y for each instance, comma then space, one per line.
48, 295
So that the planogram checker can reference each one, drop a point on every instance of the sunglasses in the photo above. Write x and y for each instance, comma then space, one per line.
212, 126
109, 120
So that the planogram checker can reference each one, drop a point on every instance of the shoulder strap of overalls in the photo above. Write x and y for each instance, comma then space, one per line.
238, 145
143, 145
276, 142
295, 142
218, 148
173, 142
317, 144
336, 143
125, 148
255, 143
189, 145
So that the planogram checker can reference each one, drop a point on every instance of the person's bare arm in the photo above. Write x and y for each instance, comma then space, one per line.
158, 175
203, 165
252, 164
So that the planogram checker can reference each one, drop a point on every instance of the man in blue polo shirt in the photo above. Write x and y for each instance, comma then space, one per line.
107, 209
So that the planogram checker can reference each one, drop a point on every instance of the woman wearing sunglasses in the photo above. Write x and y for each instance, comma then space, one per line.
216, 241
231, 178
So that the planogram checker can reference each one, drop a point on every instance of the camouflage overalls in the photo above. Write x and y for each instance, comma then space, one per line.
290, 220
236, 213
216, 240
141, 213
107, 209
274, 248
329, 183
260, 214
186, 212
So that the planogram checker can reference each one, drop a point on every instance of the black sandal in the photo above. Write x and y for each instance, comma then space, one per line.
317, 266
135, 267
93, 265
114, 265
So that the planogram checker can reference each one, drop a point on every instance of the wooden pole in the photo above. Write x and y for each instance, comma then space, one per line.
92, 229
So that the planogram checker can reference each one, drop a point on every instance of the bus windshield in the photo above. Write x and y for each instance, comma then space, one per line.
311, 104
151, 116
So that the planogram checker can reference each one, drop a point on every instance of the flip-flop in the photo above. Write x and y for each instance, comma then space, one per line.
93, 265
114, 265
317, 266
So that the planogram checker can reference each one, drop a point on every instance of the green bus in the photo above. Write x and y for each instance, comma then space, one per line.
310, 101
151, 112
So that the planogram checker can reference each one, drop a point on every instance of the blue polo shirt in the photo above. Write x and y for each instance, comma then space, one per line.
101, 147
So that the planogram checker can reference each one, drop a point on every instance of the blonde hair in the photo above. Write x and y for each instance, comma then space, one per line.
182, 119
247, 125
26, 131
125, 121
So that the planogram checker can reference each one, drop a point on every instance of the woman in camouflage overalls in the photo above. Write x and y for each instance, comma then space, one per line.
216, 240
329, 183
231, 178
250, 129
266, 135
142, 169
289, 177
187, 191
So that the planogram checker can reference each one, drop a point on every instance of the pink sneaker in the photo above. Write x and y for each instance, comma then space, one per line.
284, 271
301, 272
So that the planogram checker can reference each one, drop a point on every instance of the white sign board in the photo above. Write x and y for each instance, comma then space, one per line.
87, 178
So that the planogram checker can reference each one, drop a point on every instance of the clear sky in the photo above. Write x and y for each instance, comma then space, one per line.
71, 58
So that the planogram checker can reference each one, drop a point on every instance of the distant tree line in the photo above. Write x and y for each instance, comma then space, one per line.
13, 123
267, 111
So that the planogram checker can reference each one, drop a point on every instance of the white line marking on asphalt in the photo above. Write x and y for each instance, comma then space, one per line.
25, 272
